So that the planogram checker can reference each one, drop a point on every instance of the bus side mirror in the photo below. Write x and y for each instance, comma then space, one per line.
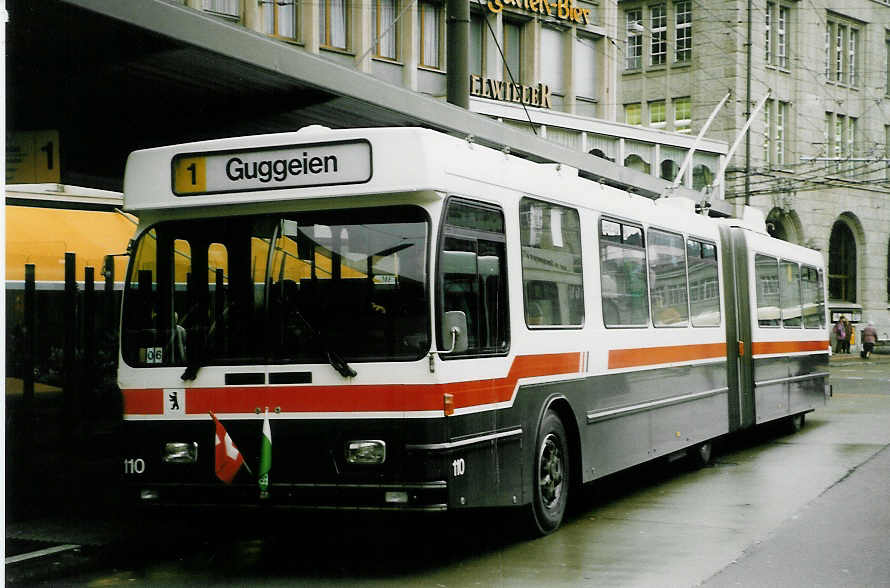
454, 331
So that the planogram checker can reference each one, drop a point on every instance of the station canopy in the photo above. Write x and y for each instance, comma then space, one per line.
113, 76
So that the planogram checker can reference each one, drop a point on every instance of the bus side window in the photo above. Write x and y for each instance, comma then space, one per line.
789, 291
704, 283
811, 293
551, 264
766, 272
623, 275
473, 275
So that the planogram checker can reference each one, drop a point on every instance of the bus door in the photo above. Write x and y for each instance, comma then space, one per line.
739, 364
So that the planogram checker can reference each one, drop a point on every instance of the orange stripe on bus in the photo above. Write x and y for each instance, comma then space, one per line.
624, 358
148, 401
358, 398
769, 347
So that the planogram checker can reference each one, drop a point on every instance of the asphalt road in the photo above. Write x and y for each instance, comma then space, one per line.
774, 509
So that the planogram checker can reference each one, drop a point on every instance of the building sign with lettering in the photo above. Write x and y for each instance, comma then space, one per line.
561, 9
538, 95
296, 166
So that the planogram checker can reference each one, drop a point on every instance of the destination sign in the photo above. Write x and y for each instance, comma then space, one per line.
273, 168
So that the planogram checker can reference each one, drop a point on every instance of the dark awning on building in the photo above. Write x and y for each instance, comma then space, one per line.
115, 76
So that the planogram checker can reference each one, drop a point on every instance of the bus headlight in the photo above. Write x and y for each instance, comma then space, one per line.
180, 452
366, 452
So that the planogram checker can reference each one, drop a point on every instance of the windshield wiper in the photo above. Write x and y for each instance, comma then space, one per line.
334, 358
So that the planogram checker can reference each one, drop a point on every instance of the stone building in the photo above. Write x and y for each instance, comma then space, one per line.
819, 148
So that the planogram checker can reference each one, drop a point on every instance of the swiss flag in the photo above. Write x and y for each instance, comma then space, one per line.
228, 458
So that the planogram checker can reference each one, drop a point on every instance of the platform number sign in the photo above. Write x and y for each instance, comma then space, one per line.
32, 157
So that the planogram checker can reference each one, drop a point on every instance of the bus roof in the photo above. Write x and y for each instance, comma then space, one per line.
318, 162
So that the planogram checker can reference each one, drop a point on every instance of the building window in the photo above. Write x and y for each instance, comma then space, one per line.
658, 31
887, 65
477, 41
633, 54
280, 18
781, 119
657, 117
513, 52
585, 66
828, 51
887, 149
683, 16
385, 29
225, 7
839, 136
826, 138
632, 114
333, 23
839, 34
682, 115
842, 263
852, 44
767, 133
551, 59
430, 15
782, 39
767, 33
850, 149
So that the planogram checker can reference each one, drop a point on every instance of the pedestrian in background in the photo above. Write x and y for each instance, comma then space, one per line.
851, 335
869, 337
840, 332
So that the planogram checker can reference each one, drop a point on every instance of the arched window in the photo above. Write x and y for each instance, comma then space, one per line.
702, 176
842, 263
775, 226
601, 154
669, 169
636, 162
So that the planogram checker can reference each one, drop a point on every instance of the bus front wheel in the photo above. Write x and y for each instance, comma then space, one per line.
550, 475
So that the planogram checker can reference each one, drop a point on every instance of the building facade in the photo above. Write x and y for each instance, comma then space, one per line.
819, 148
552, 68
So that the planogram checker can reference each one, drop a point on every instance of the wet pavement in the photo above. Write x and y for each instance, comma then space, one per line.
774, 509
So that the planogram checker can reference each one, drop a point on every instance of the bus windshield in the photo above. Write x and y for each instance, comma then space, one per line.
283, 288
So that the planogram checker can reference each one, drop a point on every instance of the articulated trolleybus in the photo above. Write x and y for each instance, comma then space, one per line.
422, 323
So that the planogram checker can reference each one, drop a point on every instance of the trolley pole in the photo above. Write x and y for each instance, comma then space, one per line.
458, 35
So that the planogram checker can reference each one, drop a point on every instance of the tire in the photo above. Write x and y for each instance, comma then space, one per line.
700, 455
550, 476
796, 422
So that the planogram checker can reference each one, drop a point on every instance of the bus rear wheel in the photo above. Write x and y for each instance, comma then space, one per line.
550, 476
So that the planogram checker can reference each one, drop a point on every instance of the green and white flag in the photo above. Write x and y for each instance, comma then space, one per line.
265, 457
